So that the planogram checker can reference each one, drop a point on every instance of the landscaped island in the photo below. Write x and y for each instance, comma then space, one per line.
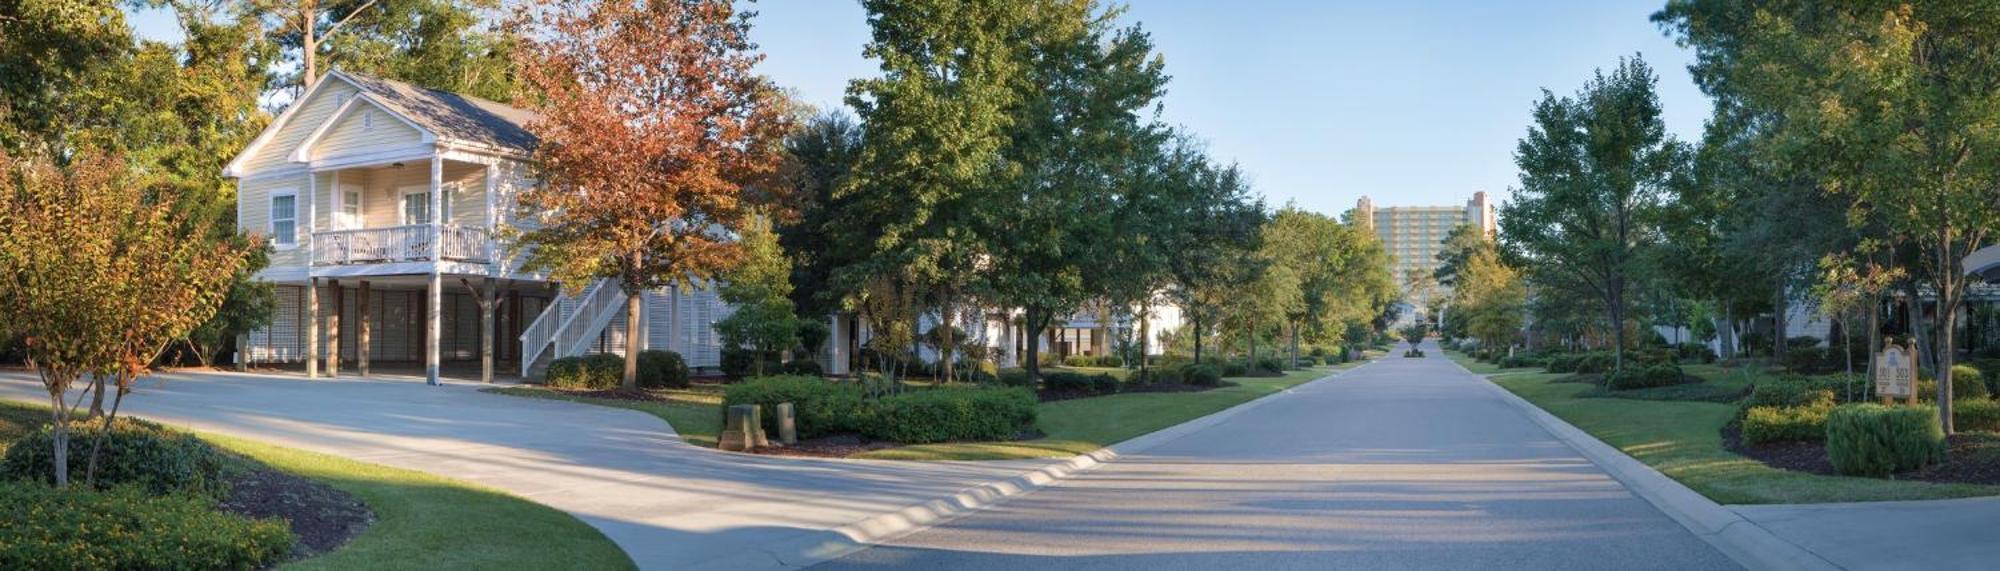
1744, 434
1073, 410
173, 499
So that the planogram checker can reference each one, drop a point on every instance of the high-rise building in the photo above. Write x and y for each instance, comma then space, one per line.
1413, 235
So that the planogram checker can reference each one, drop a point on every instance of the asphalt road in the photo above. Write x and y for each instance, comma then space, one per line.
1400, 464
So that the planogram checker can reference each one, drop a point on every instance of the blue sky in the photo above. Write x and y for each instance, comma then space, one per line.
1416, 102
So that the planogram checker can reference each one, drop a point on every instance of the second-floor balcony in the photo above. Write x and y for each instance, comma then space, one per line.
406, 243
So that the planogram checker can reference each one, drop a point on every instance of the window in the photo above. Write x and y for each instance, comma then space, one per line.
350, 208
285, 218
417, 205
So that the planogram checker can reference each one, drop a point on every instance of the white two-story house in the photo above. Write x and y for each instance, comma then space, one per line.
381, 200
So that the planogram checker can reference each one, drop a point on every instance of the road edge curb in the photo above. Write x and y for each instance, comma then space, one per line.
1742, 540
881, 528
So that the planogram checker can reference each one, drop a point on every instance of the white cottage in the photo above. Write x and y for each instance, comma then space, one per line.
381, 199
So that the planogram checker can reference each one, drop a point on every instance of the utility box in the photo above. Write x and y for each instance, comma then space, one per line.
788, 429
742, 428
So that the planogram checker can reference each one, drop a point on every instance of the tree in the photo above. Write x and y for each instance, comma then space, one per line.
99, 271
652, 131
1491, 297
1463, 242
1077, 137
1213, 221
1885, 103
760, 289
911, 204
1592, 167
820, 155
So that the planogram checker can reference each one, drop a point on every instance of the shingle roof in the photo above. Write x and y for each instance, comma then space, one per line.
450, 115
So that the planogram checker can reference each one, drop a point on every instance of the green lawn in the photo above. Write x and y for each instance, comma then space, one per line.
695, 412
1082, 425
419, 518
1684, 441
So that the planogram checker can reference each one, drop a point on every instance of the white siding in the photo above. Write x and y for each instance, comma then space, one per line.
366, 129
277, 151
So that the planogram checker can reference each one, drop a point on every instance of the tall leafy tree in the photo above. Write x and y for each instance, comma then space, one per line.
760, 289
1887, 103
1078, 133
1214, 223
652, 129
820, 155
1592, 168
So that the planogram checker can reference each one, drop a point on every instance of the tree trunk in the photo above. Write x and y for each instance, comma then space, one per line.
1779, 307
1145, 331
1033, 323
1293, 337
634, 302
945, 363
1874, 335
59, 436
1617, 331
97, 395
1197, 338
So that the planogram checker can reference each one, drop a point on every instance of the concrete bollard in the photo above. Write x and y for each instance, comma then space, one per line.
788, 430
742, 428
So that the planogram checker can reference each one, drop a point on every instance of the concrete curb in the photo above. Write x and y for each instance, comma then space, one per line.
1744, 541
886, 527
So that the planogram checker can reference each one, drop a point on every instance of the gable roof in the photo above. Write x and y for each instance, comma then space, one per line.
448, 117
451, 116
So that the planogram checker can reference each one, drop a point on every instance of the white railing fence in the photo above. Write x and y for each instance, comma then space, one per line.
407, 243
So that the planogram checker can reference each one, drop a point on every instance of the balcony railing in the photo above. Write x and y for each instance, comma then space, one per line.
408, 243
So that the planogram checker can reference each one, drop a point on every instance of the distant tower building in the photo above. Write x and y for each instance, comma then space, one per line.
1414, 235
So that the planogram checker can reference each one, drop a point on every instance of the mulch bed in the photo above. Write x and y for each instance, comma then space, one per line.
1046, 395
321, 516
1809, 457
1973, 458
844, 445
615, 394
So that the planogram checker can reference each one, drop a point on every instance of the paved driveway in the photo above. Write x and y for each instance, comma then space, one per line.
1403, 463
667, 503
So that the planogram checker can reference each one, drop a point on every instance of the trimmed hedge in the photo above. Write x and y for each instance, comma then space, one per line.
662, 370
1764, 424
1637, 377
1201, 374
822, 407
1875, 440
1273, 365
802, 367
1967, 383
591, 372
1595, 363
951, 414
1081, 383
1079, 361
126, 529
1790, 391
153, 458
1976, 414
1014, 377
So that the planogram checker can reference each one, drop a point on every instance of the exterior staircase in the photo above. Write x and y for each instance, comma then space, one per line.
569, 324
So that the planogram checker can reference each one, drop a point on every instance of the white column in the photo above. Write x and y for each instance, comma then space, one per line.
434, 314
312, 328
836, 345
492, 220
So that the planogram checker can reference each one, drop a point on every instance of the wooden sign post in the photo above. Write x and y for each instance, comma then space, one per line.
1896, 373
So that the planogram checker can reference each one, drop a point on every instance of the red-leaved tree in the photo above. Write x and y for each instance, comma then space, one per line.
654, 133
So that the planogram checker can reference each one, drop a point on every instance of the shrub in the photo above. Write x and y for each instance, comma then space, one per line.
593, 372
1876, 440
1562, 364
1594, 363
1317, 351
1790, 391
802, 367
1079, 361
1967, 383
1110, 361
821, 407
1080, 383
1413, 353
1014, 377
1697, 352
1203, 374
1274, 365
737, 362
1639, 377
1346, 353
125, 529
1155, 375
137, 453
1786, 424
951, 414
1235, 369
1976, 414
662, 370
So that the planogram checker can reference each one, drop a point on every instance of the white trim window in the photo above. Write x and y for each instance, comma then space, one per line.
348, 207
284, 222
416, 207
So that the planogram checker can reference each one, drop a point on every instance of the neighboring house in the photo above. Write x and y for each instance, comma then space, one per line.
381, 200
1006, 342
